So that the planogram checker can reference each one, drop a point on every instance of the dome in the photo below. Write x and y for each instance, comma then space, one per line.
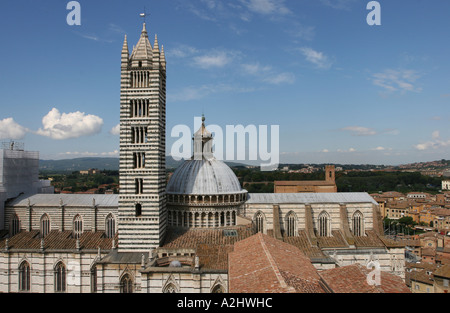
203, 174
204, 177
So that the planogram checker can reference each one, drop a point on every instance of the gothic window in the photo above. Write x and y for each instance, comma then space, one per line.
45, 225
170, 288
15, 226
77, 226
126, 284
24, 276
110, 228
139, 134
138, 209
139, 186
60, 277
94, 279
324, 225
291, 226
139, 160
218, 289
358, 224
259, 223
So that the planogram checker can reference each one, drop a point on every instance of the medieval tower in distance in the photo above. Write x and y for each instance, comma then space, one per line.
142, 199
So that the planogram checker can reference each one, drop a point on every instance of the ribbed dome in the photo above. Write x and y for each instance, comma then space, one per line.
204, 177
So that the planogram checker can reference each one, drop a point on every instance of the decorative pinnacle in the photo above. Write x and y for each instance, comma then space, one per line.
156, 45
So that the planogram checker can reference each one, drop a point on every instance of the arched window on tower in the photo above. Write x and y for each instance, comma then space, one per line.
291, 225
259, 223
110, 226
45, 225
24, 277
358, 224
126, 284
77, 226
218, 289
14, 228
60, 277
138, 209
324, 225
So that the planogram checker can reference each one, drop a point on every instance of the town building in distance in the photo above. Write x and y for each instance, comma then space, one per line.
318, 186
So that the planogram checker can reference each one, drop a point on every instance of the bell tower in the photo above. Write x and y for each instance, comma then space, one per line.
142, 199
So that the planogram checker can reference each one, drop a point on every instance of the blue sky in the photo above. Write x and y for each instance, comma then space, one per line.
342, 91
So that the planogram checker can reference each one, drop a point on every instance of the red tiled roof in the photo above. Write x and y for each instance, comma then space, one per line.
353, 279
57, 240
334, 241
261, 264
211, 245
443, 271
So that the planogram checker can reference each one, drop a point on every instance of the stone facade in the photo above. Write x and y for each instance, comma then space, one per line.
142, 201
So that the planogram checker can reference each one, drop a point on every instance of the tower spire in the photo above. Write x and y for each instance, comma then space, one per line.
125, 45
156, 45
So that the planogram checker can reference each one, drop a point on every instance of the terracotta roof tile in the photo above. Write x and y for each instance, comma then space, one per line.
302, 243
443, 271
57, 240
334, 241
353, 279
212, 245
370, 240
262, 264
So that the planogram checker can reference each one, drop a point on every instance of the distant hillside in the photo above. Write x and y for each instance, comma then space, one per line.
80, 164
111, 164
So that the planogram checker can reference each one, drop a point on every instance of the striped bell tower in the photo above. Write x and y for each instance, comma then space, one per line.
142, 199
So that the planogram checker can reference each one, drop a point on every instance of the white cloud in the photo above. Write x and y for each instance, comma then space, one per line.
379, 149
266, 7
9, 129
319, 59
69, 125
435, 135
300, 31
360, 131
116, 28
256, 69
267, 74
397, 80
339, 4
115, 130
181, 51
199, 92
347, 151
282, 78
325, 151
214, 59
435, 143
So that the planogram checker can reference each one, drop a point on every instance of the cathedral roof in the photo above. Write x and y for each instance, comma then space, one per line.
68, 200
310, 198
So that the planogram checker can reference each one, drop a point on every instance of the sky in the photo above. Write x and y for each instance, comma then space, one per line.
340, 90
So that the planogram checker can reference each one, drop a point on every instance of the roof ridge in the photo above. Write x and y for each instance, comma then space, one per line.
272, 263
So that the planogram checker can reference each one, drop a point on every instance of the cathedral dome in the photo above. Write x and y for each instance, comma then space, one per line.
203, 174
204, 177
